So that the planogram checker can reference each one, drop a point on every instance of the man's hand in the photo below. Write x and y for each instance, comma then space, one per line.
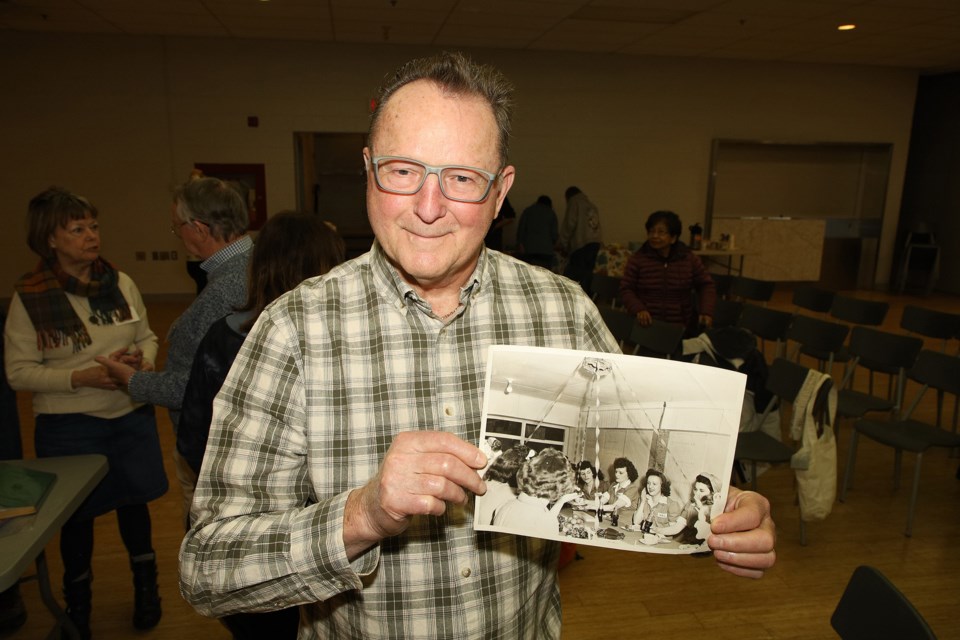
744, 535
421, 473
119, 371
644, 318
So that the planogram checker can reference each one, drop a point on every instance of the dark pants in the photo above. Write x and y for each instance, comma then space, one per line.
76, 539
581, 263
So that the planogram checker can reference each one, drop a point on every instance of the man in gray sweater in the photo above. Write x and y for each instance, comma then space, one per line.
210, 218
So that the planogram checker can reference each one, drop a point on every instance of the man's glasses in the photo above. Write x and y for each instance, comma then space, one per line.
405, 176
175, 227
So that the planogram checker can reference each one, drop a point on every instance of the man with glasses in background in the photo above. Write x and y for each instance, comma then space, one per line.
210, 218
342, 458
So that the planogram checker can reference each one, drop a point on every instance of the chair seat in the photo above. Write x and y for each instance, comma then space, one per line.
758, 446
856, 404
908, 435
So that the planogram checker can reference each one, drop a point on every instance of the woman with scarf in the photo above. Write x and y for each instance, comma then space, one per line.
74, 306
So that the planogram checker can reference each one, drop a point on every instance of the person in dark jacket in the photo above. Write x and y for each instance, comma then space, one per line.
659, 279
290, 248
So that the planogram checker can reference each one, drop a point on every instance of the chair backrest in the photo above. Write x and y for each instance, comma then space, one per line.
819, 338
722, 282
660, 339
752, 289
606, 289
873, 607
768, 324
726, 313
786, 378
858, 311
882, 350
930, 323
813, 298
938, 370
618, 321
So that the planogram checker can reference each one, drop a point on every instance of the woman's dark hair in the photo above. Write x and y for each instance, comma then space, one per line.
669, 218
664, 483
505, 467
545, 200
586, 464
705, 480
571, 191
291, 247
52, 208
623, 463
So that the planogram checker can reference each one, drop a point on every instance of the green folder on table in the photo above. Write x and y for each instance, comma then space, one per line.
22, 490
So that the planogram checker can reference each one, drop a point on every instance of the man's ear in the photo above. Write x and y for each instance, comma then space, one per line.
505, 182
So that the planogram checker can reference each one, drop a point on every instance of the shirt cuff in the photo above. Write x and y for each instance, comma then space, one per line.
318, 554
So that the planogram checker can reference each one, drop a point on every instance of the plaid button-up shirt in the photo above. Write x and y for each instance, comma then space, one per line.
331, 372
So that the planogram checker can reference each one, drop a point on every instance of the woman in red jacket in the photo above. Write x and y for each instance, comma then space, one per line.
659, 279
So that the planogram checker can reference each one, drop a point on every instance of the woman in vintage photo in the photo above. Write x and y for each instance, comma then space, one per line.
623, 495
590, 481
658, 514
546, 483
501, 479
698, 512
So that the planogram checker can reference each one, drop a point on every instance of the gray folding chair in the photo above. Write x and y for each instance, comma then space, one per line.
932, 370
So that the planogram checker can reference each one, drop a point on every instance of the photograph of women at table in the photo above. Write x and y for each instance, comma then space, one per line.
622, 452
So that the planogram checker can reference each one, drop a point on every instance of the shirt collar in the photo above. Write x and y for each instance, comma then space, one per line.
388, 277
235, 248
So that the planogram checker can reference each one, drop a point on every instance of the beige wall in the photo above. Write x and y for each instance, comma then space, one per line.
122, 119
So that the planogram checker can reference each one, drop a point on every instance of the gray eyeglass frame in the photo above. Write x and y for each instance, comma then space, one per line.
376, 160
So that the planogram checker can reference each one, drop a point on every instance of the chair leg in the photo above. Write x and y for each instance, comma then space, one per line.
848, 472
897, 464
913, 496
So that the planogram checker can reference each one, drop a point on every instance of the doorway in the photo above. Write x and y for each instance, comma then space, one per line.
331, 182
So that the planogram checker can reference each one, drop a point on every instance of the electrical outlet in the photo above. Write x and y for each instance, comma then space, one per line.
173, 255
139, 256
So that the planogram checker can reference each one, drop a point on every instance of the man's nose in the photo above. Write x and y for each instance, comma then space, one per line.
430, 198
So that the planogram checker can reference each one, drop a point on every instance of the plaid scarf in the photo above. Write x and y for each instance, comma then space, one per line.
43, 292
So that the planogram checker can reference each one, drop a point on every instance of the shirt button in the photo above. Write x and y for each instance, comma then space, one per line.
448, 411
465, 572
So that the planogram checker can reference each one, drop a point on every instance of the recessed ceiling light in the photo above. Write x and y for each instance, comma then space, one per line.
846, 27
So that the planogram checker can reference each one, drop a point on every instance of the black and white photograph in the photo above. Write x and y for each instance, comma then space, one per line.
618, 451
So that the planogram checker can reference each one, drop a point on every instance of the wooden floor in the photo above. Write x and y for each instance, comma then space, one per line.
610, 594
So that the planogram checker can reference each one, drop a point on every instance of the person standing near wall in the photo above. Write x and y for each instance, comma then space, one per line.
537, 233
210, 218
580, 237
70, 307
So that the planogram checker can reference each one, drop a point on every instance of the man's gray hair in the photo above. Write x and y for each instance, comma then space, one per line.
214, 202
456, 74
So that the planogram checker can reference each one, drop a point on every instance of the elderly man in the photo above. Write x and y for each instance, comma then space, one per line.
210, 218
342, 457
